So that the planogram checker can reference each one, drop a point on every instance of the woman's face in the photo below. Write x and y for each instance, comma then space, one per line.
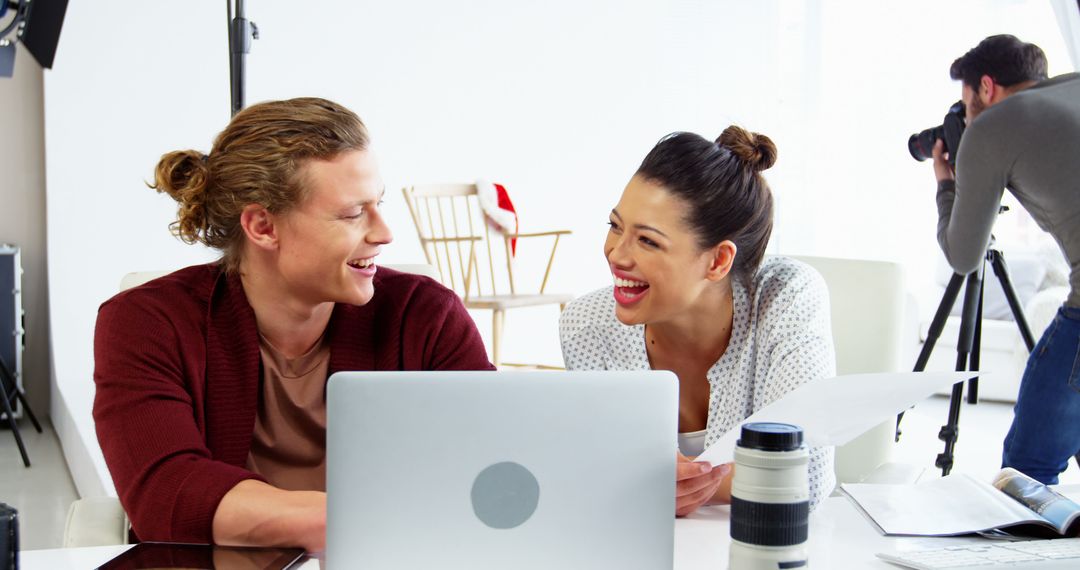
658, 267
328, 243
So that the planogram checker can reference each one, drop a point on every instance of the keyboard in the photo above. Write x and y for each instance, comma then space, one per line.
1031, 554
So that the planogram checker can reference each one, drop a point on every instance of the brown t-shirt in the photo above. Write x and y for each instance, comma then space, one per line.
288, 447
178, 381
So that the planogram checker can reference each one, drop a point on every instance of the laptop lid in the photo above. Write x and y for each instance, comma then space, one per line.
501, 470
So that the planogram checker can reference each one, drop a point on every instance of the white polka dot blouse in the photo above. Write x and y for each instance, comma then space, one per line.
780, 338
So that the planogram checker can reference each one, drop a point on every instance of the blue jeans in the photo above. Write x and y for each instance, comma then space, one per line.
1045, 431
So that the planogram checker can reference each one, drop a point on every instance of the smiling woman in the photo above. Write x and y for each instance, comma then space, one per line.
211, 381
692, 295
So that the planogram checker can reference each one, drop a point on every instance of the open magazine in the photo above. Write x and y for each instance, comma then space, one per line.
960, 504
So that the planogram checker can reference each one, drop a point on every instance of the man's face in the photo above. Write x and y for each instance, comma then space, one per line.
329, 242
973, 104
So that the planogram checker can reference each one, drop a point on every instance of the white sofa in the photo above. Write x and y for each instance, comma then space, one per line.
1041, 284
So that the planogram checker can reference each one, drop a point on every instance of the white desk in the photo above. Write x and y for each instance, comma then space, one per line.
840, 538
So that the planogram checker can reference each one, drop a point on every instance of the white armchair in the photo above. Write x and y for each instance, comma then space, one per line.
867, 300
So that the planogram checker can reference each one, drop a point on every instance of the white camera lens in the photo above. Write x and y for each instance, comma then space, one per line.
770, 499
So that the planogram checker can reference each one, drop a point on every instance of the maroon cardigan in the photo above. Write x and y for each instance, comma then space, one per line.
178, 376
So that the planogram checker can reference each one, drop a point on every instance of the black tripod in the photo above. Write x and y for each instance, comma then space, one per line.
968, 343
9, 393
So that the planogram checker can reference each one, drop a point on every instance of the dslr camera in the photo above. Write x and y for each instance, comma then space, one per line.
921, 144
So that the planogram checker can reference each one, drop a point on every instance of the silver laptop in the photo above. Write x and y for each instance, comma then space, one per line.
507, 470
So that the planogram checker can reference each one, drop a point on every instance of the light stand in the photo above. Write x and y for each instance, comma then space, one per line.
37, 25
241, 32
7, 47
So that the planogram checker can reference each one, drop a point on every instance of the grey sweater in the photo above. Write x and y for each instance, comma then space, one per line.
1030, 144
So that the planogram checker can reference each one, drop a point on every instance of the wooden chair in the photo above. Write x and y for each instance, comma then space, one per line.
461, 245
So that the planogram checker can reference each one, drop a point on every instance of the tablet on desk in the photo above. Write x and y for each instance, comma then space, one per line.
166, 555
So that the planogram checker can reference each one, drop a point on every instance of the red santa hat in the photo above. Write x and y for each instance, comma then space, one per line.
498, 209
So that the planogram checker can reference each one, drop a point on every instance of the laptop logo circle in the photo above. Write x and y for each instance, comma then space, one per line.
505, 495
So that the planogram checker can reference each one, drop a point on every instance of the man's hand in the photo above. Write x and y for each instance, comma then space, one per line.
254, 513
696, 483
942, 168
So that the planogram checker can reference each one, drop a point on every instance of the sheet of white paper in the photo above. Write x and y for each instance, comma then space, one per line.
834, 411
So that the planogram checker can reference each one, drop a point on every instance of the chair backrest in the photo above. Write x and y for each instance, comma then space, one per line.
137, 278
416, 269
95, 521
867, 300
458, 241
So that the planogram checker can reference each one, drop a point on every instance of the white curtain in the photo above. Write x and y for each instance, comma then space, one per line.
1068, 17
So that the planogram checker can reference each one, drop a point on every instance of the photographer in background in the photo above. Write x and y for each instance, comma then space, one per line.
1023, 133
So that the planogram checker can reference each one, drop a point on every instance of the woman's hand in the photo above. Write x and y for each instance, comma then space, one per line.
697, 483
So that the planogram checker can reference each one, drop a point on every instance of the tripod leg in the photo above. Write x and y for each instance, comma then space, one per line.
29, 412
1001, 270
11, 420
950, 432
952, 290
948, 299
976, 349
16, 394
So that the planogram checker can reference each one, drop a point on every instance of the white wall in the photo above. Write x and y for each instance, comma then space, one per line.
22, 216
559, 101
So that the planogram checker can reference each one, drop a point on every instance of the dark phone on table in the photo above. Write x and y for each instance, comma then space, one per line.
166, 555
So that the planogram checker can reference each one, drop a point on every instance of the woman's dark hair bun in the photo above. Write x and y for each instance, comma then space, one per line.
755, 149
718, 180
